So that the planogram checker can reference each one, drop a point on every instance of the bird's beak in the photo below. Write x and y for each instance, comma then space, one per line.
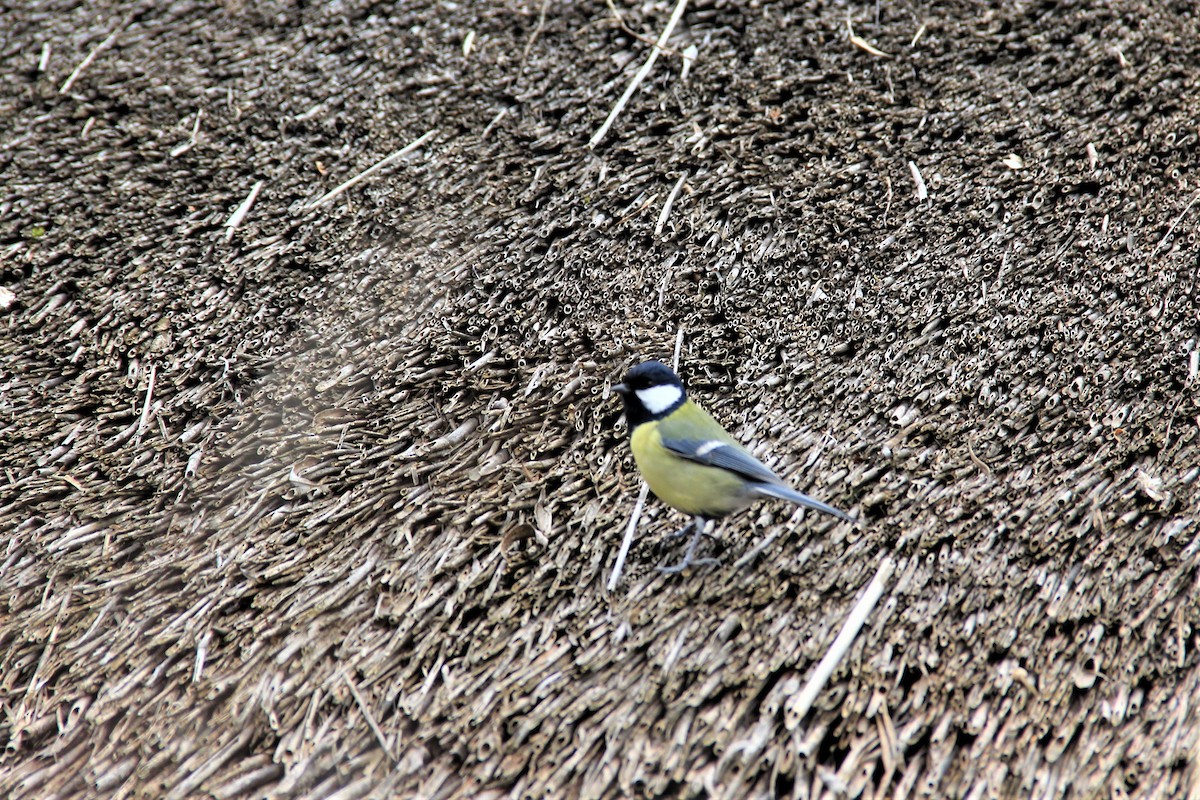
620, 388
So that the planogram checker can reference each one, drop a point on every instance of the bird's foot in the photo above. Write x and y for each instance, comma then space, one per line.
698, 525
675, 569
683, 531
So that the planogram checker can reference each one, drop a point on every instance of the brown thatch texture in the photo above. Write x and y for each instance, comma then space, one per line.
326, 508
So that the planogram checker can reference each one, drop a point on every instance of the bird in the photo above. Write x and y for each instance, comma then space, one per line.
689, 461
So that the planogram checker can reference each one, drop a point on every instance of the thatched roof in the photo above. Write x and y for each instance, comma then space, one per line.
324, 503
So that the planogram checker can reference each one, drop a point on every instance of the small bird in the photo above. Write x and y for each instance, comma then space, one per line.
689, 460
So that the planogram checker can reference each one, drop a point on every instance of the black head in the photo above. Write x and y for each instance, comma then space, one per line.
651, 391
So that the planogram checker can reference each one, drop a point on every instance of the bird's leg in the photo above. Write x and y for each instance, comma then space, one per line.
699, 524
679, 533
685, 529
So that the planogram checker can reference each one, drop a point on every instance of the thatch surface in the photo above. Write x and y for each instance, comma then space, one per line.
350, 478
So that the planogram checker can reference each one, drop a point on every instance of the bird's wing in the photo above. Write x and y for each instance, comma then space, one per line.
724, 455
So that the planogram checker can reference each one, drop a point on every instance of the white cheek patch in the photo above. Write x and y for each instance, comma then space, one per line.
658, 399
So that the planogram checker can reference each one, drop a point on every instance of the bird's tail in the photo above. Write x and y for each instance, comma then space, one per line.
787, 493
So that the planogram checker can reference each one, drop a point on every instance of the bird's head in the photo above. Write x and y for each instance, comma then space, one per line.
651, 391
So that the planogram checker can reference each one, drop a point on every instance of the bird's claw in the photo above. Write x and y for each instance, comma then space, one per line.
675, 569
682, 531
697, 527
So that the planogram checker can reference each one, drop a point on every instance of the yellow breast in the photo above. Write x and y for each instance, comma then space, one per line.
682, 484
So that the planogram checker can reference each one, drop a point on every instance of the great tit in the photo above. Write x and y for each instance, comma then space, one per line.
688, 459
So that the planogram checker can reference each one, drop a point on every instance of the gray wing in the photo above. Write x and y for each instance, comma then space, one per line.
727, 456
715, 453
